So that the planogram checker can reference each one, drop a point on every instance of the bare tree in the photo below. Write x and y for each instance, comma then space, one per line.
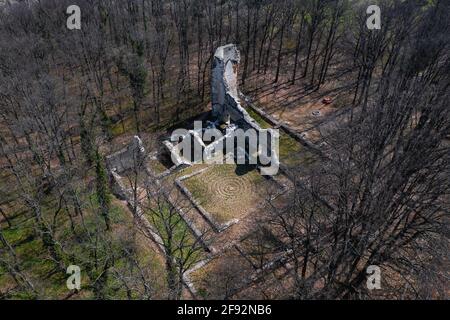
181, 247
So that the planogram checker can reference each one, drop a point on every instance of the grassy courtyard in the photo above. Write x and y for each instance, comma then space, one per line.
228, 191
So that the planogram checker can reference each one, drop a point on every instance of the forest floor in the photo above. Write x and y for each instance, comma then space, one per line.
299, 105
42, 270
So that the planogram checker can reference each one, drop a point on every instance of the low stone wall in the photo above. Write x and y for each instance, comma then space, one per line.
197, 233
170, 171
288, 174
217, 227
123, 160
117, 187
125, 194
127, 157
177, 160
237, 112
259, 274
277, 124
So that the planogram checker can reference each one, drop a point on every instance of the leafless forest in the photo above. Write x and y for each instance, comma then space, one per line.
69, 98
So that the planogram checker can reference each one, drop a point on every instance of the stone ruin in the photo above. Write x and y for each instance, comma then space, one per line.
125, 159
128, 157
227, 112
225, 101
224, 82
227, 116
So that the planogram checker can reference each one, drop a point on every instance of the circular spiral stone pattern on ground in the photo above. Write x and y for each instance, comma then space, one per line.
229, 188
229, 195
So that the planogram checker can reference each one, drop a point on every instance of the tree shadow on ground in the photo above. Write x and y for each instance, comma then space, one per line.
243, 169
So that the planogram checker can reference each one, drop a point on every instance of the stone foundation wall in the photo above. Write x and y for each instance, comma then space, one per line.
127, 157
276, 124
219, 227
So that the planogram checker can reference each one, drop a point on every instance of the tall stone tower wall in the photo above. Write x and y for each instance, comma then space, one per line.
224, 80
226, 105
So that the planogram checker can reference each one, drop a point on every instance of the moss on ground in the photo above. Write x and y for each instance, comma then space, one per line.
157, 166
260, 120
175, 233
44, 273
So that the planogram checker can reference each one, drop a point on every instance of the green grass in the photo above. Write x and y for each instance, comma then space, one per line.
291, 151
35, 262
157, 166
17, 234
227, 191
174, 231
124, 126
39, 268
198, 190
260, 120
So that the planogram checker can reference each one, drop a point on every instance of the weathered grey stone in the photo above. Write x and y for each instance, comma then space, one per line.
225, 102
128, 157
224, 79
